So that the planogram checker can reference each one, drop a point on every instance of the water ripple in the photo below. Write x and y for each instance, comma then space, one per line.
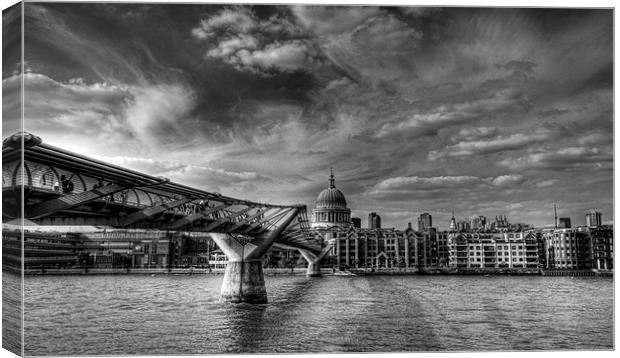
108, 315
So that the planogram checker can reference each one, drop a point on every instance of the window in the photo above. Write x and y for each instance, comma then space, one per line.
477, 260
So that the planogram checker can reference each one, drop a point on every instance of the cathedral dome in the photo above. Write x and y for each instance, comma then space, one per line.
331, 198
331, 207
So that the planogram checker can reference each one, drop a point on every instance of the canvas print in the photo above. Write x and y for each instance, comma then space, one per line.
198, 179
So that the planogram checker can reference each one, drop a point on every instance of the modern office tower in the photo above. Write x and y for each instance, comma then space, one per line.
374, 221
357, 222
463, 226
564, 223
500, 223
594, 218
425, 221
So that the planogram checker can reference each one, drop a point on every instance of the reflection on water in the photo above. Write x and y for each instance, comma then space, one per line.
77, 315
11, 312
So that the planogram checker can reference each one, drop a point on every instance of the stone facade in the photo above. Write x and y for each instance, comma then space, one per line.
494, 250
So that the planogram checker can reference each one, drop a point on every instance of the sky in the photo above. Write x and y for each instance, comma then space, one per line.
484, 111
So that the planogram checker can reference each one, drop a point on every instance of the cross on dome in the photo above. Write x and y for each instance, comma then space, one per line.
332, 181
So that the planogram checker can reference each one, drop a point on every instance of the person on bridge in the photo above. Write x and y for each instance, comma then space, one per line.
67, 184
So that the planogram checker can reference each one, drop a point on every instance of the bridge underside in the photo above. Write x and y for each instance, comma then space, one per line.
52, 186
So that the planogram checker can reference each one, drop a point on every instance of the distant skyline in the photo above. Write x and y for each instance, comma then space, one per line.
484, 111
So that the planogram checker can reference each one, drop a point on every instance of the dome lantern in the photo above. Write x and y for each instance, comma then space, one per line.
332, 181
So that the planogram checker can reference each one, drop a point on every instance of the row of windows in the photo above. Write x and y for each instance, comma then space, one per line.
499, 247
498, 260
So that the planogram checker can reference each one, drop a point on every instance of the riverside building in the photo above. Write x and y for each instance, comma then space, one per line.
385, 248
494, 250
579, 248
106, 249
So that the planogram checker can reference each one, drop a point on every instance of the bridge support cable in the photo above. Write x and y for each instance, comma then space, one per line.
193, 218
150, 212
314, 260
247, 220
259, 225
244, 280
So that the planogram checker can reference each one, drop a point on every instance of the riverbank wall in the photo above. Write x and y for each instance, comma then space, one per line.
395, 271
151, 271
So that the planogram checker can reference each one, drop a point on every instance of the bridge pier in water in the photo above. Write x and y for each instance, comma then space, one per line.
244, 280
314, 261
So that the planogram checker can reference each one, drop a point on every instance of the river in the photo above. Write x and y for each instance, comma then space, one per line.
126, 315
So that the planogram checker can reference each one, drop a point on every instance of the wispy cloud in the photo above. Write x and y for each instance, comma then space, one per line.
493, 145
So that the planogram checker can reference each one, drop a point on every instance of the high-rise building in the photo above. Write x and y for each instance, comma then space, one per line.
500, 223
564, 223
425, 222
594, 218
357, 222
463, 226
479, 223
374, 221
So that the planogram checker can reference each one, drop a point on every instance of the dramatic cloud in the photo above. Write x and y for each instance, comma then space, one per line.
362, 41
486, 111
246, 42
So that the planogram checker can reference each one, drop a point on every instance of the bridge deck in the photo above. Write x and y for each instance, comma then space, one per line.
104, 194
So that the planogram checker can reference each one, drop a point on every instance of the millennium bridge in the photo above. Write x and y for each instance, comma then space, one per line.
47, 185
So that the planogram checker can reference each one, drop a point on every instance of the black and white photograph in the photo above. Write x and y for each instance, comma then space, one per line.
193, 178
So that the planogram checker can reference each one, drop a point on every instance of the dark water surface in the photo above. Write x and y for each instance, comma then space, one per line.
94, 315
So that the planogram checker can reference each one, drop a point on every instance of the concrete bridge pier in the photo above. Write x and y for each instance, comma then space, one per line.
244, 280
314, 261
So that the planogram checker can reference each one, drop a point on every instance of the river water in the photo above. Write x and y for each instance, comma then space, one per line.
109, 315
